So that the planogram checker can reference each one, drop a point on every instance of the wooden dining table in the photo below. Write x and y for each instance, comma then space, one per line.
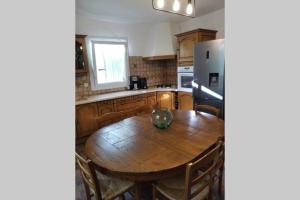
136, 150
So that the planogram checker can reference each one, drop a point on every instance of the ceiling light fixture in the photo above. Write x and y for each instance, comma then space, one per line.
176, 6
189, 8
160, 3
180, 7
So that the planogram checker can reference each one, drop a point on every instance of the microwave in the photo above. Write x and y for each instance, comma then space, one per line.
185, 77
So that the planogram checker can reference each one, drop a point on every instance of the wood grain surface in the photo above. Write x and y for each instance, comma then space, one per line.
135, 149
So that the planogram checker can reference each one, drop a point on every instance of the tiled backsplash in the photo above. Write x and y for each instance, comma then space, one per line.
156, 72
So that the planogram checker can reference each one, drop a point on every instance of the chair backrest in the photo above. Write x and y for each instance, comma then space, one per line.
110, 118
145, 109
207, 109
89, 176
193, 177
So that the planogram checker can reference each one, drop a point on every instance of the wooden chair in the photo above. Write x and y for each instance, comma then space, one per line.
109, 118
207, 109
195, 184
219, 169
100, 185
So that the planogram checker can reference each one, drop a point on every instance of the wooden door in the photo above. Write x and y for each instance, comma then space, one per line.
185, 101
86, 119
186, 48
165, 100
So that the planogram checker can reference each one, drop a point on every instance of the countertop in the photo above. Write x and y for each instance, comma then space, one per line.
115, 95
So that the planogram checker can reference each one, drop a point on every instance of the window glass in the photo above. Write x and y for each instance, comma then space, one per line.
110, 62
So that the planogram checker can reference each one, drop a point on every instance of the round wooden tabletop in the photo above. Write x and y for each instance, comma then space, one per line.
135, 149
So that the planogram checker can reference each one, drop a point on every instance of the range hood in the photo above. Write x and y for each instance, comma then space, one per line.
161, 43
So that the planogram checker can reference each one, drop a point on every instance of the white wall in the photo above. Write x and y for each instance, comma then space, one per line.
136, 34
141, 37
160, 40
214, 20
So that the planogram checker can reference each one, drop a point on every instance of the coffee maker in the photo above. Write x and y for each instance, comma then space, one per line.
143, 82
135, 82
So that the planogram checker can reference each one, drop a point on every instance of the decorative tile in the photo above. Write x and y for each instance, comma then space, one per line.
156, 72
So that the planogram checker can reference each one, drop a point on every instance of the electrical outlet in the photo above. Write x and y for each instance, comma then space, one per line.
86, 84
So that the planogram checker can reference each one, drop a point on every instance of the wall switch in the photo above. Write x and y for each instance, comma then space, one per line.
86, 84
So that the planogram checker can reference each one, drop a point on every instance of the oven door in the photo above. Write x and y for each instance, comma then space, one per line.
184, 82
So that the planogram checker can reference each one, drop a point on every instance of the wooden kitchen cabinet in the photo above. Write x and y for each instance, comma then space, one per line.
186, 47
86, 119
86, 114
105, 107
129, 104
186, 42
185, 101
81, 64
151, 99
165, 100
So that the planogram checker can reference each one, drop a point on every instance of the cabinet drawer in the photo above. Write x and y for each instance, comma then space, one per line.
130, 103
105, 107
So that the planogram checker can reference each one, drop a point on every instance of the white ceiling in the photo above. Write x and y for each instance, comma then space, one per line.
137, 11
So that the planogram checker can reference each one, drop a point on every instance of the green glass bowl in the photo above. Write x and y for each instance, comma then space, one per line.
162, 118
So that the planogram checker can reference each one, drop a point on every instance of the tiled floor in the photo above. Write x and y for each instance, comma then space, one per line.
147, 190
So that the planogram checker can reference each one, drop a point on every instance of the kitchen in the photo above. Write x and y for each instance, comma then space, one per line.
110, 120
134, 55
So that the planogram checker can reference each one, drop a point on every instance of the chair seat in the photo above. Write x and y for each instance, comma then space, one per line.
174, 188
110, 186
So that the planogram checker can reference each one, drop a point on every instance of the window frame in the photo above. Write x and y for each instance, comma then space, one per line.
91, 41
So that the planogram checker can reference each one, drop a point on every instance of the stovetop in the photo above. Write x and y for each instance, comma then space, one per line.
164, 86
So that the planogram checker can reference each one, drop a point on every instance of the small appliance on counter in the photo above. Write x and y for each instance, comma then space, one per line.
137, 83
143, 83
134, 82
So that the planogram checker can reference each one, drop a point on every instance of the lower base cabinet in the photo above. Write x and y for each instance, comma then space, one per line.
86, 114
185, 101
151, 99
129, 104
165, 100
86, 122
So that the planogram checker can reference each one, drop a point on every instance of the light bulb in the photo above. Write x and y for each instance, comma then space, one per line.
189, 9
160, 3
176, 6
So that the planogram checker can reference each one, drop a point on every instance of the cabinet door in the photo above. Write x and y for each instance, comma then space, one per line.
86, 119
186, 47
80, 55
151, 99
129, 104
203, 36
105, 107
185, 101
165, 100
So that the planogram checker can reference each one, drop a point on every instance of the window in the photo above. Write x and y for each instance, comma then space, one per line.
108, 62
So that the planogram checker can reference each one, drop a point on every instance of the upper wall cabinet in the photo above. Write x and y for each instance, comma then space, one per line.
186, 41
80, 55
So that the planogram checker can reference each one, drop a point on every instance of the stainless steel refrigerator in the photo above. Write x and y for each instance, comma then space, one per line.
209, 73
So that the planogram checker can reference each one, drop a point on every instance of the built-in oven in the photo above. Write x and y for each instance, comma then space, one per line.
185, 75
